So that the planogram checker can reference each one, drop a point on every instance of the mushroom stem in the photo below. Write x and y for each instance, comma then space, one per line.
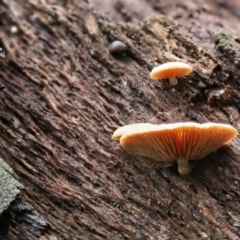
184, 167
173, 81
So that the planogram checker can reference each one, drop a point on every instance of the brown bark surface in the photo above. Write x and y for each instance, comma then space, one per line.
66, 94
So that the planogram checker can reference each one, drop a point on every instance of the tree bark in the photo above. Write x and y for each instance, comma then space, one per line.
66, 94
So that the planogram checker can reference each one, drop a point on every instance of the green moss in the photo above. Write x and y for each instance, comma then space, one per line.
227, 45
9, 186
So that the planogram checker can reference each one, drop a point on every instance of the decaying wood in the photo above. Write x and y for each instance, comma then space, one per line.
66, 94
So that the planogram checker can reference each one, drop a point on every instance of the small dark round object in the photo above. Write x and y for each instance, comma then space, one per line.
237, 62
117, 47
220, 47
139, 236
2, 53
1, 87
202, 85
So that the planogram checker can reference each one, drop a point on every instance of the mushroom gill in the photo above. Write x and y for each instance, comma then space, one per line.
160, 145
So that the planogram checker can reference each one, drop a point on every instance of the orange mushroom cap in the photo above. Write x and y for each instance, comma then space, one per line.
159, 145
128, 128
170, 69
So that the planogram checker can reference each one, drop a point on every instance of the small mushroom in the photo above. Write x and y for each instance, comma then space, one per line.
171, 70
161, 145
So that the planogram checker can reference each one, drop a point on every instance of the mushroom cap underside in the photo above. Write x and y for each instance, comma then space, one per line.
170, 69
171, 142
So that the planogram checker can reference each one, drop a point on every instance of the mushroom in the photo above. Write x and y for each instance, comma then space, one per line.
161, 145
128, 128
171, 70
